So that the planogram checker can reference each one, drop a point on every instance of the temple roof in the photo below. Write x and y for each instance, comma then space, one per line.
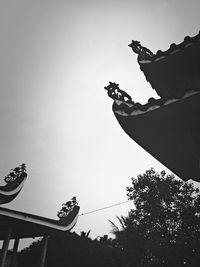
23, 224
28, 225
170, 133
174, 71
169, 127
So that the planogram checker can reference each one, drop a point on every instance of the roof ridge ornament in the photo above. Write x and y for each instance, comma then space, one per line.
116, 93
67, 210
14, 183
143, 52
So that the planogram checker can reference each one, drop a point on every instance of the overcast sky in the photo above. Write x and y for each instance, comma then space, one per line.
55, 116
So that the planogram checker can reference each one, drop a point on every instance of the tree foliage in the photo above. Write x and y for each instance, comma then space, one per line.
164, 229
70, 249
31, 255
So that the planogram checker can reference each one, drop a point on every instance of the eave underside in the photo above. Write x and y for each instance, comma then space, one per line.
26, 225
173, 74
169, 133
22, 229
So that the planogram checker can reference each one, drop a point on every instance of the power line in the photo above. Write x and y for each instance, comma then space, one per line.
107, 207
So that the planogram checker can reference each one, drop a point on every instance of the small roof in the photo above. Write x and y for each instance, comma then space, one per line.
26, 225
171, 73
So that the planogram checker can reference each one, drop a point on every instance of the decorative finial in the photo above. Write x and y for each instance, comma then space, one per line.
116, 93
15, 174
67, 208
136, 46
143, 52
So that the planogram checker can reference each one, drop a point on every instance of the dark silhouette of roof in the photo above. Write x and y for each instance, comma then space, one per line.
14, 183
174, 71
29, 225
168, 127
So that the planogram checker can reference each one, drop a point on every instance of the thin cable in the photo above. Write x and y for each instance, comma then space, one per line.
107, 207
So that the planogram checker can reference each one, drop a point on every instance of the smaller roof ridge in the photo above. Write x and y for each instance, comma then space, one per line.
146, 56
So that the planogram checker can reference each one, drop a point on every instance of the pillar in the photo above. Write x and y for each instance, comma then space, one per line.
44, 250
5, 247
14, 252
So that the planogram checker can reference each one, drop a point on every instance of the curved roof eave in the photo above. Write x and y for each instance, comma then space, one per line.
170, 133
30, 225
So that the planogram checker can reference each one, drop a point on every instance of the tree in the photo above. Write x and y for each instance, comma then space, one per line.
164, 229
71, 249
30, 256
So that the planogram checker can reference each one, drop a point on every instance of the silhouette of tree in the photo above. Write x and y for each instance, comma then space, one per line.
85, 234
70, 249
30, 256
164, 229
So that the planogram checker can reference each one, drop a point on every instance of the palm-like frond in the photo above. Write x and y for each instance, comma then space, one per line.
115, 228
122, 221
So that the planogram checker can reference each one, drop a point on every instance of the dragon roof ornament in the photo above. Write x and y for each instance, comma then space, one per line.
14, 183
143, 52
116, 93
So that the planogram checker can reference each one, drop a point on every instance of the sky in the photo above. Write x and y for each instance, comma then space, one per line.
55, 116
